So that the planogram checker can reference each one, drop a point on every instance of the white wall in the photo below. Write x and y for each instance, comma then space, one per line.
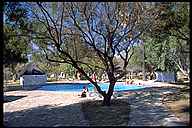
32, 81
165, 76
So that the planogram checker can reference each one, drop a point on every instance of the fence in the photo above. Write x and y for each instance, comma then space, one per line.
165, 76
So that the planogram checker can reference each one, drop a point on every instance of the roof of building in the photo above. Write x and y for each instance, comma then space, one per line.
31, 69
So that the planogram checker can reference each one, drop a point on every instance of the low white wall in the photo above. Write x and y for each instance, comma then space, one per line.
165, 76
32, 81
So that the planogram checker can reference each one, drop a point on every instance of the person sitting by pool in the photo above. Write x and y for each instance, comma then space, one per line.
84, 92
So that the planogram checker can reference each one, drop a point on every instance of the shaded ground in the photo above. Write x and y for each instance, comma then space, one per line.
117, 114
181, 83
181, 109
149, 103
45, 116
144, 108
12, 98
179, 104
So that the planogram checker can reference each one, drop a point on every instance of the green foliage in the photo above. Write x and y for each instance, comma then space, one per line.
67, 69
52, 67
15, 19
158, 53
15, 48
137, 58
16, 15
165, 46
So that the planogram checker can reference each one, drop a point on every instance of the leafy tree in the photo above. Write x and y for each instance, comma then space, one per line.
106, 30
15, 48
169, 39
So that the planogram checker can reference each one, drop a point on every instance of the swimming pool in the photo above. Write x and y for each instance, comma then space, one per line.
77, 87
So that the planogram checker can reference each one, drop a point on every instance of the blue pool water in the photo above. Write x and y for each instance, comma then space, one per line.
121, 87
74, 87
77, 87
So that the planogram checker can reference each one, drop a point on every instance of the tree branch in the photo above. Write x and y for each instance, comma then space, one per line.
49, 30
61, 23
43, 9
51, 60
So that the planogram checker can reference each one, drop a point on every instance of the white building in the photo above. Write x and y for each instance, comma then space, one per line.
32, 77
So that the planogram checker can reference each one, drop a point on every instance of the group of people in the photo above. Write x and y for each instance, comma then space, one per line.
128, 82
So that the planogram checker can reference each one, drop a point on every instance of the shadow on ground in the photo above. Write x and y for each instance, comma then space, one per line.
115, 115
48, 116
54, 115
11, 98
147, 108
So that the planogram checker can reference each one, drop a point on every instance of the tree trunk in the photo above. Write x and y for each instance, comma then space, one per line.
144, 64
13, 71
107, 97
182, 70
107, 100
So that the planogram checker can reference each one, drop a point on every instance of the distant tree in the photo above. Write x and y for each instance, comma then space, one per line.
137, 58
